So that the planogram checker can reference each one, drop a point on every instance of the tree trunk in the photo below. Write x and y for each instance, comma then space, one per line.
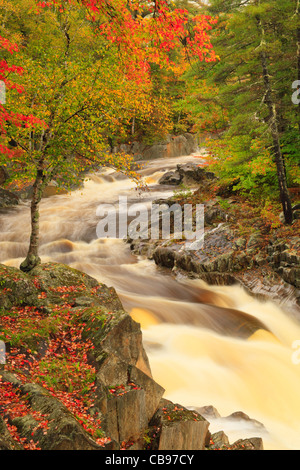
32, 258
298, 68
284, 194
282, 183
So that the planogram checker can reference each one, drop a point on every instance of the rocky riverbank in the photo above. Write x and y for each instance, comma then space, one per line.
240, 246
77, 376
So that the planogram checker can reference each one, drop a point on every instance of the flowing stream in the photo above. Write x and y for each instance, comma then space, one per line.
188, 326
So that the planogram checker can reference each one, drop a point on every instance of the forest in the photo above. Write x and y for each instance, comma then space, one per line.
111, 343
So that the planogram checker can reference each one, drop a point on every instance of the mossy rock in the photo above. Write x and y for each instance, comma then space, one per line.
51, 275
61, 283
16, 288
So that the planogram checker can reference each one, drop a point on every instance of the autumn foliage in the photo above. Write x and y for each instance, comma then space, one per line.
6, 117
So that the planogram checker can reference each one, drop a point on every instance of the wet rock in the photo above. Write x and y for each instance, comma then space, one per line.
171, 178
16, 288
192, 173
164, 256
83, 289
153, 391
219, 440
255, 240
285, 260
188, 173
241, 416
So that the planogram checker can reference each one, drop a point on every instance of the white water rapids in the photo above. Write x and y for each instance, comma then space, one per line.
182, 320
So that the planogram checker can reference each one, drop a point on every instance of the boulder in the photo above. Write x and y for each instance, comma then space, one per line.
170, 178
125, 418
192, 173
219, 440
179, 428
63, 430
53, 189
253, 443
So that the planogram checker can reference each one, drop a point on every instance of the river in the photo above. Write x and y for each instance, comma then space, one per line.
183, 321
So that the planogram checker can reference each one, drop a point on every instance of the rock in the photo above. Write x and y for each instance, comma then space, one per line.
53, 189
296, 213
179, 428
153, 391
164, 256
253, 443
192, 173
8, 199
241, 416
84, 289
126, 418
172, 146
188, 173
208, 412
6, 441
218, 440
171, 178
285, 260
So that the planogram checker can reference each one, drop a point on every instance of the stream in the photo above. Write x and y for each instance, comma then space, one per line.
186, 324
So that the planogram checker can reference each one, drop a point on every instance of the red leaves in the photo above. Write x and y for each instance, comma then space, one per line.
16, 119
62, 369
120, 390
143, 39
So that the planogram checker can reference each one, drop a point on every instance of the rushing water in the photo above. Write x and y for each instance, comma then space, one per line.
189, 328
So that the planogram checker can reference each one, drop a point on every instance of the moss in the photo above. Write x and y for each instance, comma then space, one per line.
174, 412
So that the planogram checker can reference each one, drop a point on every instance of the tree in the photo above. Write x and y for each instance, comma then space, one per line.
87, 88
256, 42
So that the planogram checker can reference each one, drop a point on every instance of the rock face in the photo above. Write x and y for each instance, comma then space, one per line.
126, 399
172, 146
176, 427
268, 270
285, 259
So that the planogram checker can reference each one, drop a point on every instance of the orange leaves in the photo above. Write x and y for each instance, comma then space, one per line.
146, 32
